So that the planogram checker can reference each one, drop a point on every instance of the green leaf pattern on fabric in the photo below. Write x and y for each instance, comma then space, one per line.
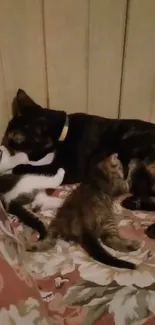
127, 304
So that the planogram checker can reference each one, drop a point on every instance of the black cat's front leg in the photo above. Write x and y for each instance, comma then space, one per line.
29, 169
146, 203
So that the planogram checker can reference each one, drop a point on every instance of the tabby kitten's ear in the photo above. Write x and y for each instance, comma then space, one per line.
23, 104
114, 159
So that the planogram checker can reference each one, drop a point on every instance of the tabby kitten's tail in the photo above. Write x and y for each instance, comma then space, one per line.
88, 243
91, 245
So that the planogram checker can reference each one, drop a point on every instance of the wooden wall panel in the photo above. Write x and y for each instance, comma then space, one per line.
66, 30
139, 65
106, 37
70, 52
152, 113
21, 41
4, 116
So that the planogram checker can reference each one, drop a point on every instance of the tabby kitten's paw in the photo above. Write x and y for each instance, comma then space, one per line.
123, 244
131, 203
132, 245
31, 247
150, 231
38, 246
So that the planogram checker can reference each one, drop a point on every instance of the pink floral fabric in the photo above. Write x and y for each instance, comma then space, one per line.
70, 287
20, 301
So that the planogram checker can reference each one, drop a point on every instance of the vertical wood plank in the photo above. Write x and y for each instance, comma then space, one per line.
139, 65
4, 114
66, 27
106, 37
21, 40
152, 113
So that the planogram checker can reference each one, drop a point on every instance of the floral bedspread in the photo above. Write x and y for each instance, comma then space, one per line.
64, 286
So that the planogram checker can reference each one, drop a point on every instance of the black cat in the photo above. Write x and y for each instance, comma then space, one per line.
80, 141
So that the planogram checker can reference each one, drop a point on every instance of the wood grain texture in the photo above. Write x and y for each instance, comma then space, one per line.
106, 36
152, 114
139, 65
4, 113
22, 47
66, 27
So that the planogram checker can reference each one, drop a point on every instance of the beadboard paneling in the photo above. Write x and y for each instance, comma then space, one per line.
22, 48
66, 32
138, 84
106, 38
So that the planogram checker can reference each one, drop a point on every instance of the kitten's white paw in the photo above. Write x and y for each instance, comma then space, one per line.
52, 203
38, 201
61, 172
58, 178
43, 202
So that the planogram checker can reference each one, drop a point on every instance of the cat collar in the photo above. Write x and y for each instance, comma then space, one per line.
64, 130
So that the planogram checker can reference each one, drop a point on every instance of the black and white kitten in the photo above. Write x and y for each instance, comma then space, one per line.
16, 191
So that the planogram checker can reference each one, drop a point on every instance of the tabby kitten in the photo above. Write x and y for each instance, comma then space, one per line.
87, 215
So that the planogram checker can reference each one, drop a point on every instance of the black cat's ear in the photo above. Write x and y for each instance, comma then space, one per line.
114, 158
23, 104
24, 99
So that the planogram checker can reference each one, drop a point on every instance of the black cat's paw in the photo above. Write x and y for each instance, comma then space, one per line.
150, 231
131, 203
22, 169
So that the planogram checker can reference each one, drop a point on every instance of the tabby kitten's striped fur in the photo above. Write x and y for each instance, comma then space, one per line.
87, 215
